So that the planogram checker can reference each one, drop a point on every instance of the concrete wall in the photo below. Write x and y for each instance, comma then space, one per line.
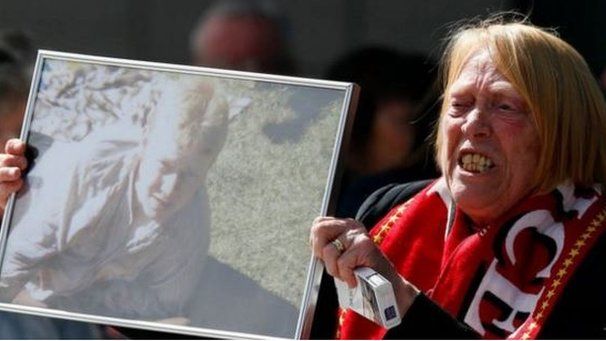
158, 30
320, 30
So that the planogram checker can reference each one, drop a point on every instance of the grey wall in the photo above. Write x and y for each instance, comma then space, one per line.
326, 29
158, 30
151, 30
320, 30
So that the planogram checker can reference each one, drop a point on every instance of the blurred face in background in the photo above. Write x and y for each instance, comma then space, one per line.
239, 42
392, 136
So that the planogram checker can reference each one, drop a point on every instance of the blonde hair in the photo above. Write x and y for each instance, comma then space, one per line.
565, 101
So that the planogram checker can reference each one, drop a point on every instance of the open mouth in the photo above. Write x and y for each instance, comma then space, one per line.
475, 163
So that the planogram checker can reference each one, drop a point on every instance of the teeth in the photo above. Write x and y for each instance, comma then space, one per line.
476, 163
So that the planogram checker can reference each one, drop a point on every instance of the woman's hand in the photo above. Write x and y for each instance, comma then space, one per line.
12, 165
357, 247
344, 245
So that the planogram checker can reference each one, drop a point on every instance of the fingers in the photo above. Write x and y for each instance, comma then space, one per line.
333, 252
13, 161
8, 174
344, 245
8, 188
325, 229
12, 165
330, 255
15, 147
361, 252
341, 244
320, 234
11, 169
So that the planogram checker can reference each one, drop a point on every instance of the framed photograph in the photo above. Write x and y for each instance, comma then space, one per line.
172, 198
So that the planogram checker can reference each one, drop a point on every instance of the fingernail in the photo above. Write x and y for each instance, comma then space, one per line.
13, 145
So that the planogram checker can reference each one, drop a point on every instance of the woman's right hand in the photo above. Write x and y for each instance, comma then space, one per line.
344, 245
12, 165
354, 248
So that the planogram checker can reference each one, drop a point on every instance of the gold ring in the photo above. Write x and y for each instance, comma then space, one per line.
338, 245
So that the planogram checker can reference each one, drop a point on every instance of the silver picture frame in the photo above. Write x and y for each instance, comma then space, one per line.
173, 198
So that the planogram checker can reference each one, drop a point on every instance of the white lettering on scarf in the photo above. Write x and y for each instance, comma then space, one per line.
506, 291
571, 202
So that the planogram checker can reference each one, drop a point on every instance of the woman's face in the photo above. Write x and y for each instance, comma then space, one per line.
491, 141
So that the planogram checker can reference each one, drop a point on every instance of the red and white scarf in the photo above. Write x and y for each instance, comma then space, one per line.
502, 279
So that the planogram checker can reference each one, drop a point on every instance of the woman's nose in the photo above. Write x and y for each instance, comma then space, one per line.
477, 124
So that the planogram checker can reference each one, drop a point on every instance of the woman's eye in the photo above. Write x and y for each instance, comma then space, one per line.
458, 107
461, 101
506, 107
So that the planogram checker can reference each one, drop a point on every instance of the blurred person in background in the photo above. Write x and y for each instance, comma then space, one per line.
396, 109
242, 35
17, 57
602, 80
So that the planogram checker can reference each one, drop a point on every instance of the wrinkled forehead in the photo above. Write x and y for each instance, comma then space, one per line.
479, 71
479, 61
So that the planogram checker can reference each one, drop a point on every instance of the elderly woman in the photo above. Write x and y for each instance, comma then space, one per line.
508, 242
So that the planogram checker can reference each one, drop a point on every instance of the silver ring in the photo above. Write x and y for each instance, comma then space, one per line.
338, 245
